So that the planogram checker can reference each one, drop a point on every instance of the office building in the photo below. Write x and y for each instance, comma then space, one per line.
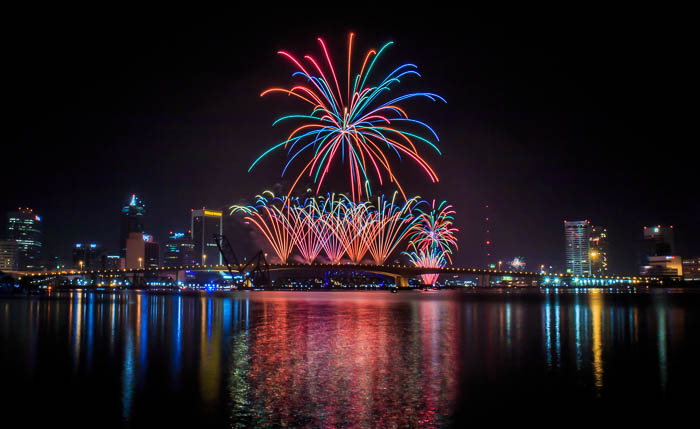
206, 223
577, 236
131, 221
8, 255
87, 256
24, 228
179, 249
662, 266
599, 250
141, 251
658, 240
691, 269
110, 262
658, 257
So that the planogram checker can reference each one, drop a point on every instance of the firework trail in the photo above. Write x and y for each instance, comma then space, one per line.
431, 257
390, 224
354, 124
271, 221
432, 239
329, 211
434, 228
305, 223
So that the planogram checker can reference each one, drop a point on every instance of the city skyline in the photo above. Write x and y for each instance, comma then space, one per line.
534, 127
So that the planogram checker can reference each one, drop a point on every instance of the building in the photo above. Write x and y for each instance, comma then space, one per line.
110, 262
691, 269
87, 256
577, 236
8, 255
206, 223
658, 257
24, 228
131, 221
658, 240
141, 251
179, 249
599, 250
662, 266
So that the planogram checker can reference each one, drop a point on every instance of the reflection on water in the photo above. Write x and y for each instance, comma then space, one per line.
341, 359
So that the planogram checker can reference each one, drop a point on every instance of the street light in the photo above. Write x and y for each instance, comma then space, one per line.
81, 265
140, 262
204, 259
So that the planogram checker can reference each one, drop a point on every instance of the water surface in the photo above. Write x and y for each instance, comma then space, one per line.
343, 359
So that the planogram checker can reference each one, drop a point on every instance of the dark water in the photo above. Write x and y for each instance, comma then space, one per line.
344, 359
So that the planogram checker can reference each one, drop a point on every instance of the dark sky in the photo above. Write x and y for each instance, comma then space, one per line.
568, 115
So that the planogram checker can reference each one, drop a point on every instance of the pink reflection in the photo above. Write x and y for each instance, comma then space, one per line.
353, 362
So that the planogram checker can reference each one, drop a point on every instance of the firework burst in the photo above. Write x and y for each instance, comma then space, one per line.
355, 125
432, 239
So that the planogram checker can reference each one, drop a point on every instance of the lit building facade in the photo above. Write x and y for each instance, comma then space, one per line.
141, 251
110, 262
658, 240
131, 221
691, 269
658, 257
179, 249
24, 228
206, 223
8, 255
577, 236
87, 256
599, 250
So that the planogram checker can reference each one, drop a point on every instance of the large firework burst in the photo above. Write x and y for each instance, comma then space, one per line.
354, 125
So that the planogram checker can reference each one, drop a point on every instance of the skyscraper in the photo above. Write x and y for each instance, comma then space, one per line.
87, 256
577, 235
657, 253
599, 250
8, 255
206, 223
131, 221
141, 251
179, 249
24, 228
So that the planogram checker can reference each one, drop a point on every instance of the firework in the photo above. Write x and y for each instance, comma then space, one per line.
518, 263
269, 217
432, 239
390, 224
303, 223
350, 226
329, 210
433, 228
354, 124
431, 257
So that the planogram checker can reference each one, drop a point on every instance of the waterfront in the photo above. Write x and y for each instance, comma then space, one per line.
341, 358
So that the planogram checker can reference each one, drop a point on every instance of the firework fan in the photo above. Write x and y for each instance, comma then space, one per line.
390, 224
428, 258
433, 228
333, 224
352, 125
329, 210
268, 214
351, 223
304, 222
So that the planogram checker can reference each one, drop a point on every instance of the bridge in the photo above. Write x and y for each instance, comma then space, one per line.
400, 273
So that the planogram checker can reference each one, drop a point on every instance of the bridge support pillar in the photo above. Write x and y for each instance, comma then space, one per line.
401, 281
484, 280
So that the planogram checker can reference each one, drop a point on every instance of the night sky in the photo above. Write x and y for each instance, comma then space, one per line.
581, 116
